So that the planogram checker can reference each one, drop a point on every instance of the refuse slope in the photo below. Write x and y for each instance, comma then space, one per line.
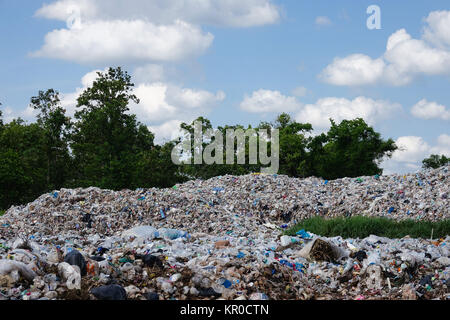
181, 227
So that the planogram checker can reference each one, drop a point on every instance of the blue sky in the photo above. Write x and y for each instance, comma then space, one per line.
243, 62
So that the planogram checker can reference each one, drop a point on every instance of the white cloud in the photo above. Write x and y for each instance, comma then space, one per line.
319, 113
437, 30
404, 58
444, 140
234, 13
166, 131
412, 150
443, 146
69, 100
162, 102
323, 21
408, 57
262, 101
118, 31
354, 70
163, 105
110, 41
28, 114
430, 110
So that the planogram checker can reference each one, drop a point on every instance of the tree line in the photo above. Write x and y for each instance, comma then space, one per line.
107, 147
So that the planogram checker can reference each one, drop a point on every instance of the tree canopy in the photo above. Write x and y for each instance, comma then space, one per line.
435, 161
104, 145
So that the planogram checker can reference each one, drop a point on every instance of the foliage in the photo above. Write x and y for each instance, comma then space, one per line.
107, 147
350, 149
435, 161
56, 125
293, 144
106, 140
22, 163
361, 227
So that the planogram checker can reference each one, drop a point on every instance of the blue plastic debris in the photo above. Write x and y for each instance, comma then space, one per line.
172, 234
303, 234
225, 282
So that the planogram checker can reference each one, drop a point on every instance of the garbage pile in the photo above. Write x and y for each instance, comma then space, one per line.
222, 239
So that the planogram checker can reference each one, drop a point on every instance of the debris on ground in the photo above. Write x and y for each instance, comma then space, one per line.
223, 239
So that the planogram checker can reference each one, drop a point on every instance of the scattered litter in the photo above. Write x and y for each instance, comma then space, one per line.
222, 238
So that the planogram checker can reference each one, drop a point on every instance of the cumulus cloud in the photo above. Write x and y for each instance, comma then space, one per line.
98, 31
263, 101
412, 150
163, 106
110, 41
356, 69
234, 13
437, 30
319, 113
163, 102
404, 58
166, 131
430, 110
443, 146
69, 100
9, 114
408, 57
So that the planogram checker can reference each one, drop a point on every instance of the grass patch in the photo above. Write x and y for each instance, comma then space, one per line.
2, 212
361, 227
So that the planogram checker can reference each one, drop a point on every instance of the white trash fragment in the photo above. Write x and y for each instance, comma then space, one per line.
10, 266
70, 275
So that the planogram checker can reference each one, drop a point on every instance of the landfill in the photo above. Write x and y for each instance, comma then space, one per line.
223, 238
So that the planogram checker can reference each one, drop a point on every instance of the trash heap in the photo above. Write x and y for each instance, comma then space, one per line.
222, 239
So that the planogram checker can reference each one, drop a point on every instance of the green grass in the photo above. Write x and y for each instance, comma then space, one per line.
361, 227
2, 212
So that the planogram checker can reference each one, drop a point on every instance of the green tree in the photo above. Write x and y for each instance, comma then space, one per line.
349, 149
107, 140
293, 144
1, 120
22, 154
156, 169
435, 161
52, 118
206, 171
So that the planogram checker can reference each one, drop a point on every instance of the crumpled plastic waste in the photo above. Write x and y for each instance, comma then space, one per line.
110, 292
222, 238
